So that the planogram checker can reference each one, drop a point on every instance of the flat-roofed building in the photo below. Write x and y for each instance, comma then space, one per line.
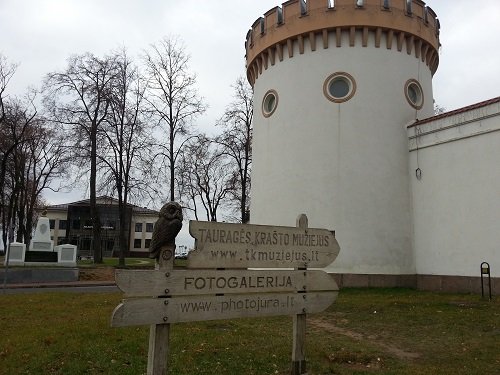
71, 223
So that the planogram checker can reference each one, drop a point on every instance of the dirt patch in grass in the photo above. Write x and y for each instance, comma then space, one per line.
355, 361
397, 352
464, 304
97, 274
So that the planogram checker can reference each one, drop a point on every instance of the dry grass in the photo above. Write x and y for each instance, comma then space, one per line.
367, 331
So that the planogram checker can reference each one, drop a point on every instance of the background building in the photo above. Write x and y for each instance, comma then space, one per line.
340, 91
71, 223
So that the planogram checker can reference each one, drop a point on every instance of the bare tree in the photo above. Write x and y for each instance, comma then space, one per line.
47, 158
173, 99
128, 141
206, 178
7, 70
236, 142
79, 97
7, 144
438, 109
18, 117
32, 156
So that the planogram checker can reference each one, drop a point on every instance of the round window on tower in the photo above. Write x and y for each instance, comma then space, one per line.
339, 87
414, 93
269, 103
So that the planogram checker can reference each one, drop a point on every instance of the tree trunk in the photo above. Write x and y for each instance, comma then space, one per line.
121, 236
172, 163
94, 212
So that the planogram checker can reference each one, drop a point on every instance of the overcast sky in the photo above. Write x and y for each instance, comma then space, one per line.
41, 34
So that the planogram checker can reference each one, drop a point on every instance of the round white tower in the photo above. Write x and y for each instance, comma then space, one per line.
335, 84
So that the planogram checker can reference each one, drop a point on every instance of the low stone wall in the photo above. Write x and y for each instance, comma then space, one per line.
26, 275
435, 283
466, 284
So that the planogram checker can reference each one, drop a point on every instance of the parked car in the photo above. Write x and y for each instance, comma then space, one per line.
181, 255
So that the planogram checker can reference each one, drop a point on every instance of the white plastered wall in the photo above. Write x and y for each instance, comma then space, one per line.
457, 201
344, 165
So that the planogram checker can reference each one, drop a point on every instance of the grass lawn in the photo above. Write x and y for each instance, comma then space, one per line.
113, 262
367, 331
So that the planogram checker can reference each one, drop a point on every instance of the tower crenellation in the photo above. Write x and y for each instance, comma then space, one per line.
406, 25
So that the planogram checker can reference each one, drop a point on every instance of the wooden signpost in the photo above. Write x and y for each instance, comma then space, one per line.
235, 271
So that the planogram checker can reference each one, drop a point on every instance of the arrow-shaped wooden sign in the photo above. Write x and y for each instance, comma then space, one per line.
199, 282
224, 245
146, 311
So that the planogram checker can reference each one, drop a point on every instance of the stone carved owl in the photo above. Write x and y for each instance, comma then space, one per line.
166, 228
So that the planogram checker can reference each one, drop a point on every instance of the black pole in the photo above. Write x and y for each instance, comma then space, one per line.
485, 270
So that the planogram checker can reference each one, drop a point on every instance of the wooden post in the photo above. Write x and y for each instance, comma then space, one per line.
299, 327
159, 334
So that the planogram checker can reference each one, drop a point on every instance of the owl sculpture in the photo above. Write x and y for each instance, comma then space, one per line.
166, 228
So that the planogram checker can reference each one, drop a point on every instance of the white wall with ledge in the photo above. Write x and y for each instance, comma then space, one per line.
456, 203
